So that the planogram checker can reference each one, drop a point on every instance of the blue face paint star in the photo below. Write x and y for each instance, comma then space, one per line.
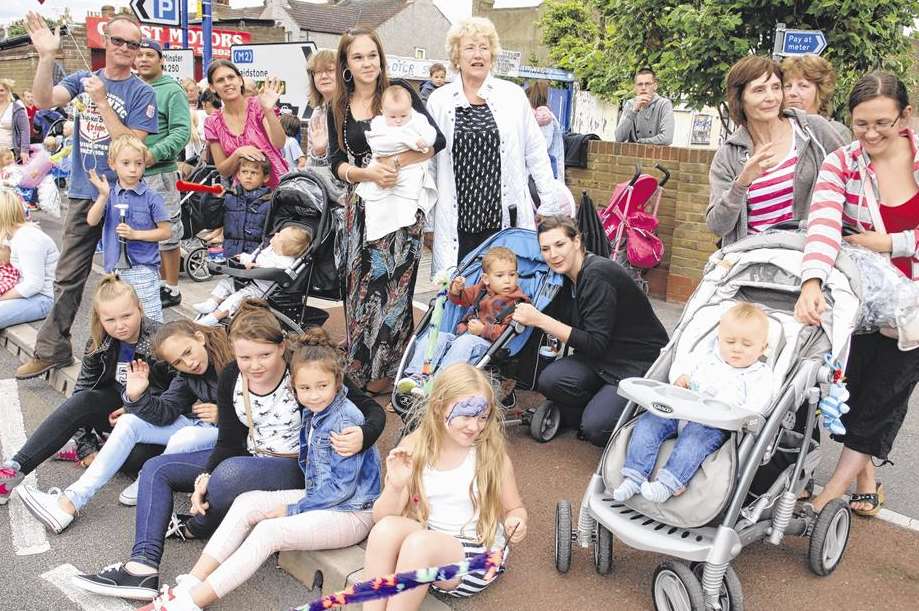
473, 407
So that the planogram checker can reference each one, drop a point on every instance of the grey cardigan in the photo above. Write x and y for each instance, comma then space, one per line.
727, 207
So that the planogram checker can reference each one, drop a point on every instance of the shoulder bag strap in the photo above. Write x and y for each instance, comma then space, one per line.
871, 197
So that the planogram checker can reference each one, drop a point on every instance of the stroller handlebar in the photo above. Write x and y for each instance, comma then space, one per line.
663, 171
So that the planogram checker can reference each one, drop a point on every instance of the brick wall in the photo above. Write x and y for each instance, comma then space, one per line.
687, 240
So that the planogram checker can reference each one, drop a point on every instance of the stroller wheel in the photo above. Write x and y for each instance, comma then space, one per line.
675, 588
195, 265
545, 421
829, 537
731, 595
603, 550
563, 536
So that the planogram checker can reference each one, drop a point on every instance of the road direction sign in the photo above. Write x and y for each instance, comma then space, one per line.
161, 12
799, 42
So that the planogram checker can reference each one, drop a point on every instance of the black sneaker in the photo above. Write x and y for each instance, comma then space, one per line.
115, 580
510, 399
168, 298
178, 528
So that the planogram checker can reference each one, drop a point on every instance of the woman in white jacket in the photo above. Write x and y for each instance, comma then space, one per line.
493, 144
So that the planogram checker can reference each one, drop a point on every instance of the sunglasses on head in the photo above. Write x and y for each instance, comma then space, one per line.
121, 42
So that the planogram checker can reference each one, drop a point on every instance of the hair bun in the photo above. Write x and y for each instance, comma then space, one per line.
315, 336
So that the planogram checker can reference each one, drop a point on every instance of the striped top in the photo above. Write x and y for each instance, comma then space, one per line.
839, 200
770, 198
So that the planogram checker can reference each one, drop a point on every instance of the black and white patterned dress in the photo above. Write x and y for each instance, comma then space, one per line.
477, 170
276, 418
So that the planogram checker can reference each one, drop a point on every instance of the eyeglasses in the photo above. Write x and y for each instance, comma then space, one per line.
883, 125
325, 71
121, 42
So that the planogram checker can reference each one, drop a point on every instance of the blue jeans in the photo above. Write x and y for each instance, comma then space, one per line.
129, 431
28, 309
163, 475
450, 348
694, 443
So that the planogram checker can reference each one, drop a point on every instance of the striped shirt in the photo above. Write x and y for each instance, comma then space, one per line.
839, 200
770, 198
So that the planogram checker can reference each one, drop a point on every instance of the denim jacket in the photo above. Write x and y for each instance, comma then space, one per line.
333, 481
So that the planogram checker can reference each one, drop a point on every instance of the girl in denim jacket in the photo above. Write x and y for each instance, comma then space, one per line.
335, 510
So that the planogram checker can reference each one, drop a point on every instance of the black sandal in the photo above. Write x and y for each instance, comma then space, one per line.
875, 499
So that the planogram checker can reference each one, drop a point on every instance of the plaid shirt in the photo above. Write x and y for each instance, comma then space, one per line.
9, 277
839, 200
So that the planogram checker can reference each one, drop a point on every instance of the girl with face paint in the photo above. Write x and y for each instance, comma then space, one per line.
449, 492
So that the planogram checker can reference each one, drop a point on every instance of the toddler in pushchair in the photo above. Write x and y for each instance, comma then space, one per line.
489, 304
499, 342
299, 202
727, 504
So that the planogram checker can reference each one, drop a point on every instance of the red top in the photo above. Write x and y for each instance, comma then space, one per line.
900, 218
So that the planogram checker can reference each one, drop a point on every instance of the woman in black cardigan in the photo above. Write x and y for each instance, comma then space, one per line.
605, 317
379, 274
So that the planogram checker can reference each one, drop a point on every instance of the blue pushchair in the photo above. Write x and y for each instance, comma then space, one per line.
535, 279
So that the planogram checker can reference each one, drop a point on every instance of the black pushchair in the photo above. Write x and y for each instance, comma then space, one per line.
300, 199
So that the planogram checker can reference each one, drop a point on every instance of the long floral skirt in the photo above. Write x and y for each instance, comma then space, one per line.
379, 284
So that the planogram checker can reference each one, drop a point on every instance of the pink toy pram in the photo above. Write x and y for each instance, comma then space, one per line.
630, 222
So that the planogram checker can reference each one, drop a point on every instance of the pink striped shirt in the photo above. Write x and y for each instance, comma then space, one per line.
770, 198
838, 200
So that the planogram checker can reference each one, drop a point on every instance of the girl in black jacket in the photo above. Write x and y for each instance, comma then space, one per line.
183, 418
605, 317
119, 334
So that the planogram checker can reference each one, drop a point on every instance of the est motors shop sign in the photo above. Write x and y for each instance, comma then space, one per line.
221, 40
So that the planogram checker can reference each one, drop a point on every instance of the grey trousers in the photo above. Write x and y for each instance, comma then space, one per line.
76, 261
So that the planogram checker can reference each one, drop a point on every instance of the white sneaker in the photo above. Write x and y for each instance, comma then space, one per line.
185, 583
205, 307
44, 506
128, 496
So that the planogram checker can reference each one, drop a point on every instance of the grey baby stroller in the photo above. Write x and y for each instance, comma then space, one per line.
301, 199
201, 211
720, 513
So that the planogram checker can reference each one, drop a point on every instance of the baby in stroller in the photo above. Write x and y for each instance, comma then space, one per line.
282, 250
491, 302
731, 371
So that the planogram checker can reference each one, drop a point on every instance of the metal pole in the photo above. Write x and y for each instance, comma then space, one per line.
185, 24
206, 34
779, 41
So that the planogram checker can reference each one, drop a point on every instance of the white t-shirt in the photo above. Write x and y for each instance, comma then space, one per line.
35, 255
276, 418
6, 127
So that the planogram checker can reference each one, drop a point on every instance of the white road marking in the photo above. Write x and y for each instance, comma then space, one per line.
28, 533
62, 576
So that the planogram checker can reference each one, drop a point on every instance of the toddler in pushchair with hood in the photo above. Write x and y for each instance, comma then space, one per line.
469, 320
296, 260
703, 502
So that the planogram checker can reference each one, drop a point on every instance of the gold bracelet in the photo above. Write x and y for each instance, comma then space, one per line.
198, 479
348, 175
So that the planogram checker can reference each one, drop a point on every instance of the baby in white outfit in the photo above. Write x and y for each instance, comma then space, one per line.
285, 246
400, 128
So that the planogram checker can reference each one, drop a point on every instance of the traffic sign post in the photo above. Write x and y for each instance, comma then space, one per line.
206, 23
797, 42
159, 12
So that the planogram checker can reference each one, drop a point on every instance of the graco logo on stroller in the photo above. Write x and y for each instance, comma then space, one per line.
662, 408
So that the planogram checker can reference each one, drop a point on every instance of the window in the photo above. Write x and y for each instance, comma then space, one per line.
420, 53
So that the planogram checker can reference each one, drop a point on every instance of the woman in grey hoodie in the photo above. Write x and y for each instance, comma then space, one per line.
766, 170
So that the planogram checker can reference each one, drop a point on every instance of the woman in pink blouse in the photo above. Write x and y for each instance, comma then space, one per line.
246, 127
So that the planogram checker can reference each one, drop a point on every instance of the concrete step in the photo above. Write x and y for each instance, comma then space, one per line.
340, 568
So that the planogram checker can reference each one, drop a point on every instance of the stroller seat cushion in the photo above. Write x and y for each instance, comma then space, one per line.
704, 497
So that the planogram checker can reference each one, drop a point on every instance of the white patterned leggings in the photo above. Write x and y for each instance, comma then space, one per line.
245, 538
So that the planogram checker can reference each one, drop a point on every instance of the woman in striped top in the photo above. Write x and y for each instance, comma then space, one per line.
871, 185
765, 172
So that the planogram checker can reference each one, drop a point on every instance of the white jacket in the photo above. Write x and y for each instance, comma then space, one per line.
523, 152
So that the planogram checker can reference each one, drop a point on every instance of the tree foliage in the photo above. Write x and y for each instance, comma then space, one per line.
691, 44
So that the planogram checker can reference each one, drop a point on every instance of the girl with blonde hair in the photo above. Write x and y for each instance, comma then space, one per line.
120, 337
450, 491
34, 255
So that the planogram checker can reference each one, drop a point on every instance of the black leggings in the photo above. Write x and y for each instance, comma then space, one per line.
90, 409
583, 395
